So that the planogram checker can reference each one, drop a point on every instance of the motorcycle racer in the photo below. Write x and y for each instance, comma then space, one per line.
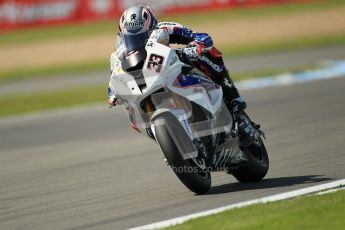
136, 26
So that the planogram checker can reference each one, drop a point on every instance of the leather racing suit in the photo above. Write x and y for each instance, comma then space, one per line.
201, 52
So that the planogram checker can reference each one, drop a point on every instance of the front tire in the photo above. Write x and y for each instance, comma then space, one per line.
195, 179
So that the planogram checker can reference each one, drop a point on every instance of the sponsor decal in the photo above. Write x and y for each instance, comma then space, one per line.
183, 81
151, 44
166, 4
187, 127
121, 81
132, 25
13, 12
161, 24
101, 6
210, 63
227, 83
198, 90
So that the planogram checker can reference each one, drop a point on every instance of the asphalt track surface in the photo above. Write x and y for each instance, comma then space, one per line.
86, 169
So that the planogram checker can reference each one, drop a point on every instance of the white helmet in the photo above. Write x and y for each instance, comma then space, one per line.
135, 27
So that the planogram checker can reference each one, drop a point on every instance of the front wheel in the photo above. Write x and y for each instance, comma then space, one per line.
192, 176
257, 166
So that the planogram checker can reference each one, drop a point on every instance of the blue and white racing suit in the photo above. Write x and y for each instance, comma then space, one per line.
207, 58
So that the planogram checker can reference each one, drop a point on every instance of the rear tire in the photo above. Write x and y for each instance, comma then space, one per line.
195, 179
257, 166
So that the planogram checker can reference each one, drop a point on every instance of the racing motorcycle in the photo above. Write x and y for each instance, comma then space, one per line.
183, 111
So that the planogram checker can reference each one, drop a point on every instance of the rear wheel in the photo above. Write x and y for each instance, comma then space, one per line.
257, 166
258, 163
189, 172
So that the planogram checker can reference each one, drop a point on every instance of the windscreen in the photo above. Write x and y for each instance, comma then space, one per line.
136, 53
135, 42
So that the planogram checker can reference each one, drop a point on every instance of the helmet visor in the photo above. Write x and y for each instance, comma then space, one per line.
136, 42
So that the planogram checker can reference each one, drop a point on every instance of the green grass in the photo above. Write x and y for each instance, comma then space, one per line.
53, 71
284, 45
41, 34
21, 104
308, 212
110, 26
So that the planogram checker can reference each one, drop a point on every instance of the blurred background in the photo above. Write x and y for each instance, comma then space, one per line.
59, 39
67, 161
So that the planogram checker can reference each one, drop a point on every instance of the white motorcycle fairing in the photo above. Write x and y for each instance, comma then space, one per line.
183, 112
159, 80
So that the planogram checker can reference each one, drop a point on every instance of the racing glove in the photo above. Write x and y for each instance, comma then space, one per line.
192, 52
112, 100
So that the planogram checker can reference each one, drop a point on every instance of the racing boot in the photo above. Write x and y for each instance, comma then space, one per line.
248, 134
